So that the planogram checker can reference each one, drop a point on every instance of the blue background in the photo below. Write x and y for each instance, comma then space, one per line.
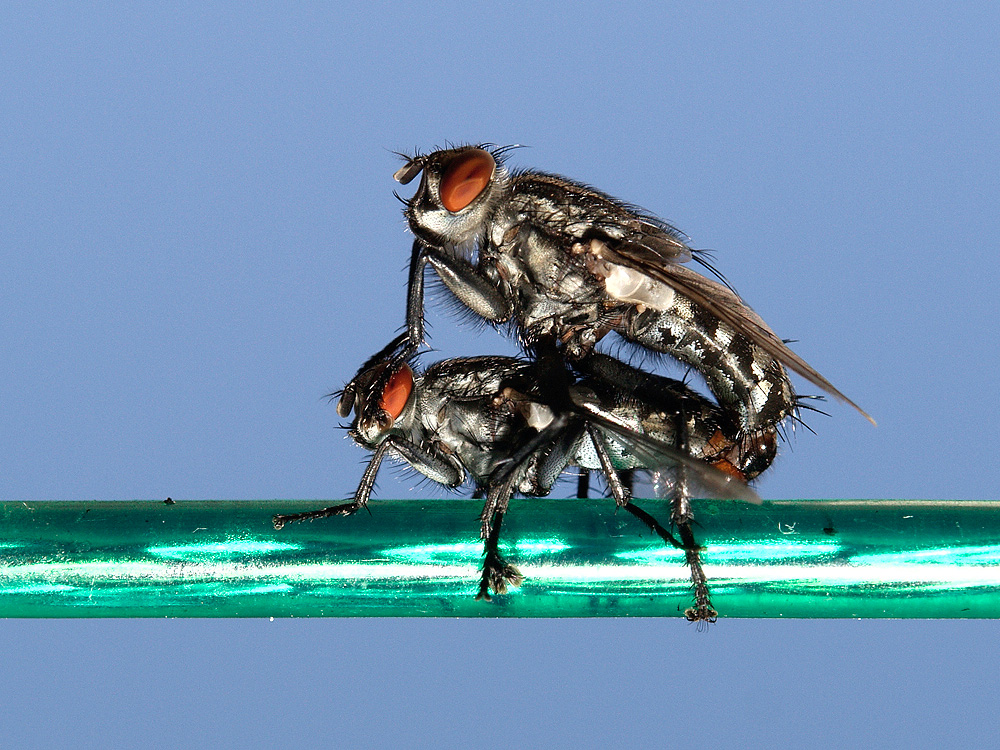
198, 240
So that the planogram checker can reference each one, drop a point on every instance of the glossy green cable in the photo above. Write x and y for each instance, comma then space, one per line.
580, 558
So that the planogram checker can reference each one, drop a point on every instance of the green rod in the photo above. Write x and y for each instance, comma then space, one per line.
580, 558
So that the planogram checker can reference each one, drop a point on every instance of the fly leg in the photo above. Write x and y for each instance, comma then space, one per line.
627, 477
473, 289
681, 515
466, 282
583, 482
438, 467
546, 455
361, 496
619, 491
497, 573
401, 348
703, 612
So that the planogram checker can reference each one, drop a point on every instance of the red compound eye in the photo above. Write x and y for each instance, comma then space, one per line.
397, 392
465, 178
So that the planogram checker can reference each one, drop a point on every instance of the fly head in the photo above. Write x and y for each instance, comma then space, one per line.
458, 194
377, 408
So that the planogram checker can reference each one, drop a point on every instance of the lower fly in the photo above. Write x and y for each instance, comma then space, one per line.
514, 426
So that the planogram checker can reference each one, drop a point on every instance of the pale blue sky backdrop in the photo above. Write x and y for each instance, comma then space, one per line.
198, 240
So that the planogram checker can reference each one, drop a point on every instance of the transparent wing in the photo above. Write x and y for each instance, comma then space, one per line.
644, 254
655, 455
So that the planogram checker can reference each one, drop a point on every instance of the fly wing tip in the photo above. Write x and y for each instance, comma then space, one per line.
862, 412
730, 488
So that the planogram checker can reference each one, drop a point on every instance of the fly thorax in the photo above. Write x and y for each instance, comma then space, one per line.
552, 290
530, 258
508, 268
556, 275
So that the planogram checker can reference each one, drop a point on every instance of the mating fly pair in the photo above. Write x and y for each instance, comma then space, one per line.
564, 265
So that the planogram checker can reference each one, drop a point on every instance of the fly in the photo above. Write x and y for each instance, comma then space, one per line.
563, 262
514, 425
